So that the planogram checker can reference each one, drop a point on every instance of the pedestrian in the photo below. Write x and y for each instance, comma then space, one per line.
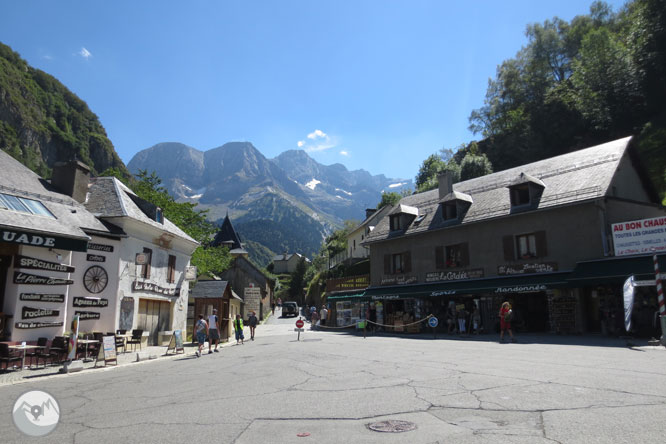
238, 329
273, 307
451, 317
201, 330
476, 319
313, 317
213, 331
252, 322
323, 315
280, 302
462, 318
505, 314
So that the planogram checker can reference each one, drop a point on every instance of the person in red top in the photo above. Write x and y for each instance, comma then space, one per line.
505, 321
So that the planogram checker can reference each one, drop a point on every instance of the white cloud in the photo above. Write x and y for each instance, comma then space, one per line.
301, 143
344, 153
47, 57
317, 134
85, 53
316, 141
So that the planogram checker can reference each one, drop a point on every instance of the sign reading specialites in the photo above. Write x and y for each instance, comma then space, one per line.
90, 302
87, 315
41, 240
34, 279
39, 264
32, 313
95, 258
41, 324
39, 297
100, 247
152, 288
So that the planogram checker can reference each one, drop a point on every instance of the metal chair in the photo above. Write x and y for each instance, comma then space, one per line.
136, 339
58, 348
39, 352
7, 356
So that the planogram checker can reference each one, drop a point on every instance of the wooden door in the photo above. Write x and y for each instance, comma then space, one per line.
154, 316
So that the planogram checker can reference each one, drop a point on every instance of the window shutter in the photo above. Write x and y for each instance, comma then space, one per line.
509, 248
407, 259
541, 250
146, 269
464, 254
439, 257
387, 264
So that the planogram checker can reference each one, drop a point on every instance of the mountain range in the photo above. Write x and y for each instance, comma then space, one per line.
287, 204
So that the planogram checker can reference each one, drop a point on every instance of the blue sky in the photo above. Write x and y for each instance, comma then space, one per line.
378, 85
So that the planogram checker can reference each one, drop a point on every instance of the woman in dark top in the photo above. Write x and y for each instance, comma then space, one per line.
252, 322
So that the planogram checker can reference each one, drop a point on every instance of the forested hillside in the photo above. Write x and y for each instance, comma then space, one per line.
41, 121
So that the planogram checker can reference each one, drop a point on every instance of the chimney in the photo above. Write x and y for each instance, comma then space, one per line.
445, 180
71, 178
369, 212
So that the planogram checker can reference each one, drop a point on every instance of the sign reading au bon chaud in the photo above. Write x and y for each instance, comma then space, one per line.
41, 240
39, 264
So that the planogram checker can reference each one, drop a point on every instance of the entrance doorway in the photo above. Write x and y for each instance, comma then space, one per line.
154, 316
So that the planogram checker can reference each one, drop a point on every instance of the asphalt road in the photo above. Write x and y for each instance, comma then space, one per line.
331, 385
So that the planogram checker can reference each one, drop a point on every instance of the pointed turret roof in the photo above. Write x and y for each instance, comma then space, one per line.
227, 236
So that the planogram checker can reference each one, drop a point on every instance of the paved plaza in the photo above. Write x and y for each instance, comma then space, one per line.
329, 386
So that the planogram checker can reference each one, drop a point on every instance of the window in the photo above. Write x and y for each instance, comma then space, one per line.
171, 274
158, 216
397, 263
24, 205
145, 268
520, 195
452, 256
396, 223
525, 246
450, 211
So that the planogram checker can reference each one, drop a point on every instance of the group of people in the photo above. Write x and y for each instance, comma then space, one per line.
321, 315
461, 321
211, 329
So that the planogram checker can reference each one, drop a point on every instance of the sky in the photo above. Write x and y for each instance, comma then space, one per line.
372, 84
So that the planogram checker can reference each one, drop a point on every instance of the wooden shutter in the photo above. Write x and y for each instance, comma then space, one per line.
146, 268
509, 248
439, 257
172, 269
387, 264
540, 238
464, 254
407, 261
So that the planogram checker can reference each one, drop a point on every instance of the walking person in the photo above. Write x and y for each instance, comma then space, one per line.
238, 329
476, 319
252, 322
273, 308
323, 314
313, 317
462, 320
201, 331
505, 314
213, 331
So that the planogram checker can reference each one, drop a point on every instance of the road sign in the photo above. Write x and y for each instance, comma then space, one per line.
299, 329
300, 323
433, 322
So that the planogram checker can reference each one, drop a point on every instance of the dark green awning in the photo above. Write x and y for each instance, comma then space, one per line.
615, 270
348, 296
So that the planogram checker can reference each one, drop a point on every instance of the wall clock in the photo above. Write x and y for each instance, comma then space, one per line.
95, 279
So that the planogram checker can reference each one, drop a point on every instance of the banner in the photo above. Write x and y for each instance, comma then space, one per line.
73, 339
34, 263
80, 301
34, 279
43, 324
32, 313
628, 301
640, 236
42, 297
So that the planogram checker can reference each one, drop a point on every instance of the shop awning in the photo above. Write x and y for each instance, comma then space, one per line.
615, 270
524, 283
348, 296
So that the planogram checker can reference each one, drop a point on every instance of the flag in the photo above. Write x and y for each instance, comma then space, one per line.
629, 286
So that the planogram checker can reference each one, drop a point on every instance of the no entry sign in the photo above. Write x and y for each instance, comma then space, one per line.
300, 323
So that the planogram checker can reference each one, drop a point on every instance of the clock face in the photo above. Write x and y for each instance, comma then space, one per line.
95, 279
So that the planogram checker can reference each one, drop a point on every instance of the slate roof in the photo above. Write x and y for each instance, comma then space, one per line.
574, 177
375, 217
209, 289
71, 217
227, 235
108, 197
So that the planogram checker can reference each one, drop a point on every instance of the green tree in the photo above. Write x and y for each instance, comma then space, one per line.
475, 166
391, 198
297, 281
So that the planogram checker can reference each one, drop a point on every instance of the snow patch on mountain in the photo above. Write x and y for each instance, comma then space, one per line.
396, 185
313, 184
343, 191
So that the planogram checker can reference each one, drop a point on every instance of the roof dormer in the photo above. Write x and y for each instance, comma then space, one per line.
525, 192
401, 216
454, 206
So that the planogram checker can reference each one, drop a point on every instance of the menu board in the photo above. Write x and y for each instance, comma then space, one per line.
109, 349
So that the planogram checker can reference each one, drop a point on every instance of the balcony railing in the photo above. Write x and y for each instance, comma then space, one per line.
348, 283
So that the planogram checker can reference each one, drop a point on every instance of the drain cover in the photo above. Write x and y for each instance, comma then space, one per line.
392, 426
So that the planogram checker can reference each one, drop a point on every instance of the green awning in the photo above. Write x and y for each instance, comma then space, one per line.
524, 283
348, 296
615, 270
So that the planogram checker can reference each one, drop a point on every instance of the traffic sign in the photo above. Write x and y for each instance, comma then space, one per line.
433, 322
300, 323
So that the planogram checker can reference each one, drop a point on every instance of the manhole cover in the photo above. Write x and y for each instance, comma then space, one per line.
392, 426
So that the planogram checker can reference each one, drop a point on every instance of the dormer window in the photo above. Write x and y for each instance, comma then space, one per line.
525, 192
520, 195
450, 211
455, 206
158, 215
395, 223
402, 216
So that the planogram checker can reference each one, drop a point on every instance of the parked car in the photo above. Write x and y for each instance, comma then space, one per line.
289, 309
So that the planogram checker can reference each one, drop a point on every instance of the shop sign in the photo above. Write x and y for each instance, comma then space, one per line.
32, 313
33, 279
640, 236
25, 238
152, 288
41, 324
38, 264
385, 297
87, 315
39, 297
100, 247
191, 273
442, 293
545, 267
398, 280
90, 302
454, 275
522, 289
95, 258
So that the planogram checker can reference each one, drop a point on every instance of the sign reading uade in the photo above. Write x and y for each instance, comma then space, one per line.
40, 297
90, 302
152, 288
454, 275
39, 264
37, 240
32, 313
34, 279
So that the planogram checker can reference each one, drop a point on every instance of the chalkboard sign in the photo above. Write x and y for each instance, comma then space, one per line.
176, 342
108, 350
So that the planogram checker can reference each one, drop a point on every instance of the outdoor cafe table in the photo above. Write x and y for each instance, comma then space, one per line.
86, 342
24, 348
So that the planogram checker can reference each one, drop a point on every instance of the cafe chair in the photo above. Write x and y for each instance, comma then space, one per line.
7, 356
136, 339
121, 332
38, 353
58, 349
120, 343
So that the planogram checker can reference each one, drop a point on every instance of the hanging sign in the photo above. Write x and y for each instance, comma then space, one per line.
176, 342
32, 313
39, 297
34, 279
25, 238
41, 324
191, 273
152, 288
39, 264
95, 258
100, 247
90, 302
545, 267
87, 315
